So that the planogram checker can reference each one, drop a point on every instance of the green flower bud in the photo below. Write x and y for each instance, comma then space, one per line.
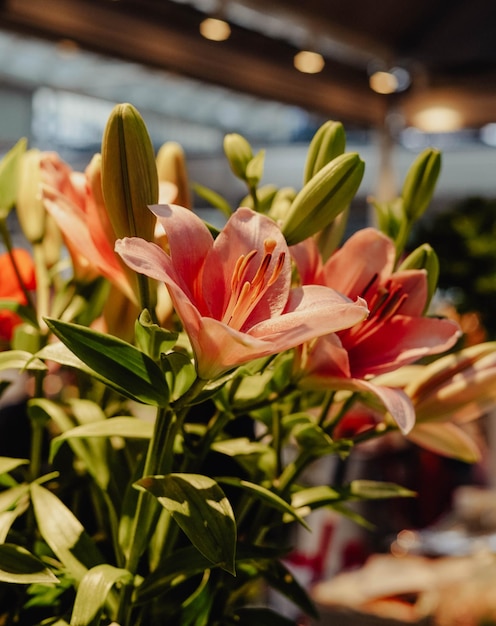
171, 166
239, 153
29, 205
420, 183
327, 143
129, 174
323, 198
255, 169
9, 177
424, 257
281, 203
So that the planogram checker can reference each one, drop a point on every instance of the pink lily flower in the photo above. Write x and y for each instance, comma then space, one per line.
233, 294
394, 334
74, 201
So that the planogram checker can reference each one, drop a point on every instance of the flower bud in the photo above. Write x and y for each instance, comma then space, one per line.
171, 167
29, 204
9, 177
281, 203
424, 257
129, 174
420, 183
239, 153
324, 197
327, 143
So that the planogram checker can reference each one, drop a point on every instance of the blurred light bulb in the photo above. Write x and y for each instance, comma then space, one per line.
438, 119
383, 82
214, 29
309, 62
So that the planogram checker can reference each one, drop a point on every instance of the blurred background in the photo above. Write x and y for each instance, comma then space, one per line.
399, 75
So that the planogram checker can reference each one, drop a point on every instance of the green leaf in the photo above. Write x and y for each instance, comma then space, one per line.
315, 497
214, 199
280, 578
9, 177
188, 562
376, 490
201, 509
151, 338
63, 532
19, 360
179, 373
264, 495
19, 566
126, 427
93, 591
7, 464
122, 366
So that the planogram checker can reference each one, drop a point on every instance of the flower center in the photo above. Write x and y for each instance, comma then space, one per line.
383, 304
246, 294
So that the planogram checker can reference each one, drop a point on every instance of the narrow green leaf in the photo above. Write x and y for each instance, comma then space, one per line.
126, 427
201, 509
7, 464
19, 566
19, 360
376, 490
7, 519
315, 497
121, 365
264, 495
280, 578
214, 199
93, 591
64, 533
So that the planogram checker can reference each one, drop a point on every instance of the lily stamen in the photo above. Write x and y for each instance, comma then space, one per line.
246, 294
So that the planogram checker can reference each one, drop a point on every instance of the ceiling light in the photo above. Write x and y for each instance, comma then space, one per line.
215, 29
383, 82
438, 119
309, 62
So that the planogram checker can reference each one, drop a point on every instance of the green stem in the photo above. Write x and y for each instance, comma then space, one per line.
331, 424
326, 405
42, 285
159, 455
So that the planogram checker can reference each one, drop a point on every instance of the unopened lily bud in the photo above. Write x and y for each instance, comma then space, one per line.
282, 203
171, 167
420, 183
31, 212
239, 153
9, 177
129, 174
323, 198
327, 143
425, 258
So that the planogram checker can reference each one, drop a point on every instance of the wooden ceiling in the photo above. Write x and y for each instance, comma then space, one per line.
448, 47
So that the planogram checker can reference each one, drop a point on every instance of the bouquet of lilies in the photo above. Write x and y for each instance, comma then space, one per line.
179, 380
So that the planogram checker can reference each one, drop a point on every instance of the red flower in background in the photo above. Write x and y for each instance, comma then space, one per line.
10, 288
